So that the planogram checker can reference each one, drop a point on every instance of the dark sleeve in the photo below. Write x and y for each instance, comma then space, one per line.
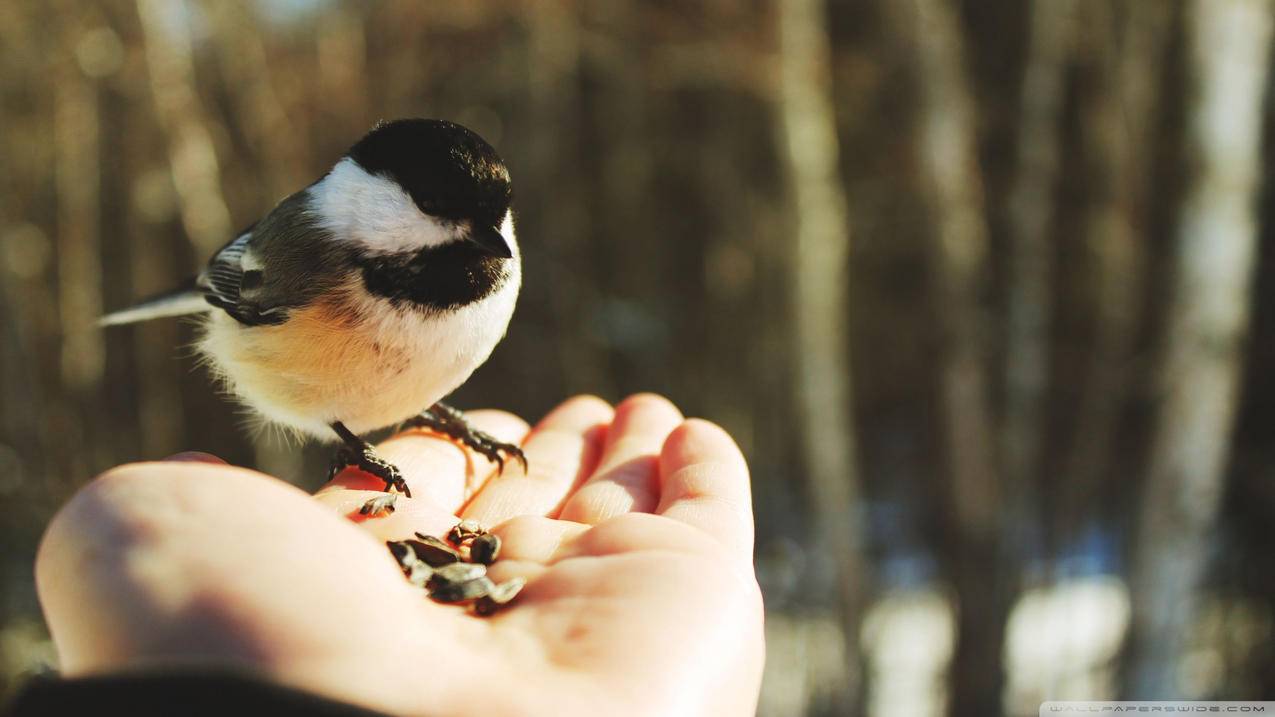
194, 693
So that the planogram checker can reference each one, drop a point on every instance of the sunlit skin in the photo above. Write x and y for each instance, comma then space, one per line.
634, 529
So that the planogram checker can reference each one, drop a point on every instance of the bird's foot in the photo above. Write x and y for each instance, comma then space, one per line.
452, 423
359, 453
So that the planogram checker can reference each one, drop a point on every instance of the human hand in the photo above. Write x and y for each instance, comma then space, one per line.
634, 530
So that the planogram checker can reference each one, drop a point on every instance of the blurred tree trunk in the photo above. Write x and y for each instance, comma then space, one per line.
191, 153
277, 140
1117, 140
1229, 43
196, 176
1032, 208
947, 148
156, 390
77, 182
341, 40
34, 466
819, 302
553, 140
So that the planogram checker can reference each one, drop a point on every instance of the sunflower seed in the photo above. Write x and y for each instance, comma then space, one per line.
380, 505
404, 553
464, 591
499, 596
465, 530
433, 550
456, 573
485, 549
419, 574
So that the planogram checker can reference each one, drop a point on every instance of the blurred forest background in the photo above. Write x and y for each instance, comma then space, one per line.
985, 288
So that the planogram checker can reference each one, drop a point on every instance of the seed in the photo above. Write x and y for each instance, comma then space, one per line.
455, 574
485, 549
463, 592
499, 596
381, 504
403, 552
419, 574
465, 530
433, 551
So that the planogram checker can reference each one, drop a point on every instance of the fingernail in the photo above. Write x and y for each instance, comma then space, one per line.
193, 457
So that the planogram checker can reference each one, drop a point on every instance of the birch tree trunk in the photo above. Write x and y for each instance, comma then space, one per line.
820, 299
1228, 44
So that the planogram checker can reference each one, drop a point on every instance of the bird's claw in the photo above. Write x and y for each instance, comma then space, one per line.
453, 424
369, 462
491, 449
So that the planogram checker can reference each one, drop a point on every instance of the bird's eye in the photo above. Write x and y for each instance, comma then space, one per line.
251, 279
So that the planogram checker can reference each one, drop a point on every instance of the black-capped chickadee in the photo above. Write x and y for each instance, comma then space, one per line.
362, 300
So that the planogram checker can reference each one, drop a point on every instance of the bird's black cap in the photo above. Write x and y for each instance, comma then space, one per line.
448, 170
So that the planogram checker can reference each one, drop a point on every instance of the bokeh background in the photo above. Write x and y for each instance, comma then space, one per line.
983, 287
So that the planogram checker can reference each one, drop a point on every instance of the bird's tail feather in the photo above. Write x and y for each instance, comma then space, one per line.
187, 299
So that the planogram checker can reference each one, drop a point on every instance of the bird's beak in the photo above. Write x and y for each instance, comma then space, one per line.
490, 240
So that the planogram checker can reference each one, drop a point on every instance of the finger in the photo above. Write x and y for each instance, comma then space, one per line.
193, 457
561, 451
449, 488
535, 538
437, 469
634, 532
504, 570
704, 483
626, 480
410, 515
168, 561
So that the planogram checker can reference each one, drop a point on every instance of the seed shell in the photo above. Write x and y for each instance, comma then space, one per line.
456, 573
433, 551
499, 596
465, 530
463, 592
485, 549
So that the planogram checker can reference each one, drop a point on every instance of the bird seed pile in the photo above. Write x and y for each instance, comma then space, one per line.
454, 571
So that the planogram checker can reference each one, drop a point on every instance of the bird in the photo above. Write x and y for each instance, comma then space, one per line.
364, 299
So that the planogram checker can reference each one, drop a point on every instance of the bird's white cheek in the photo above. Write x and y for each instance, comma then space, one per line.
374, 212
507, 231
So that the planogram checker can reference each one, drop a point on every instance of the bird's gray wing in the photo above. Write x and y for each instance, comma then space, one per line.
282, 262
225, 284
234, 282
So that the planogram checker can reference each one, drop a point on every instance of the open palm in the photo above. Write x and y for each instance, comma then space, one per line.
633, 529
